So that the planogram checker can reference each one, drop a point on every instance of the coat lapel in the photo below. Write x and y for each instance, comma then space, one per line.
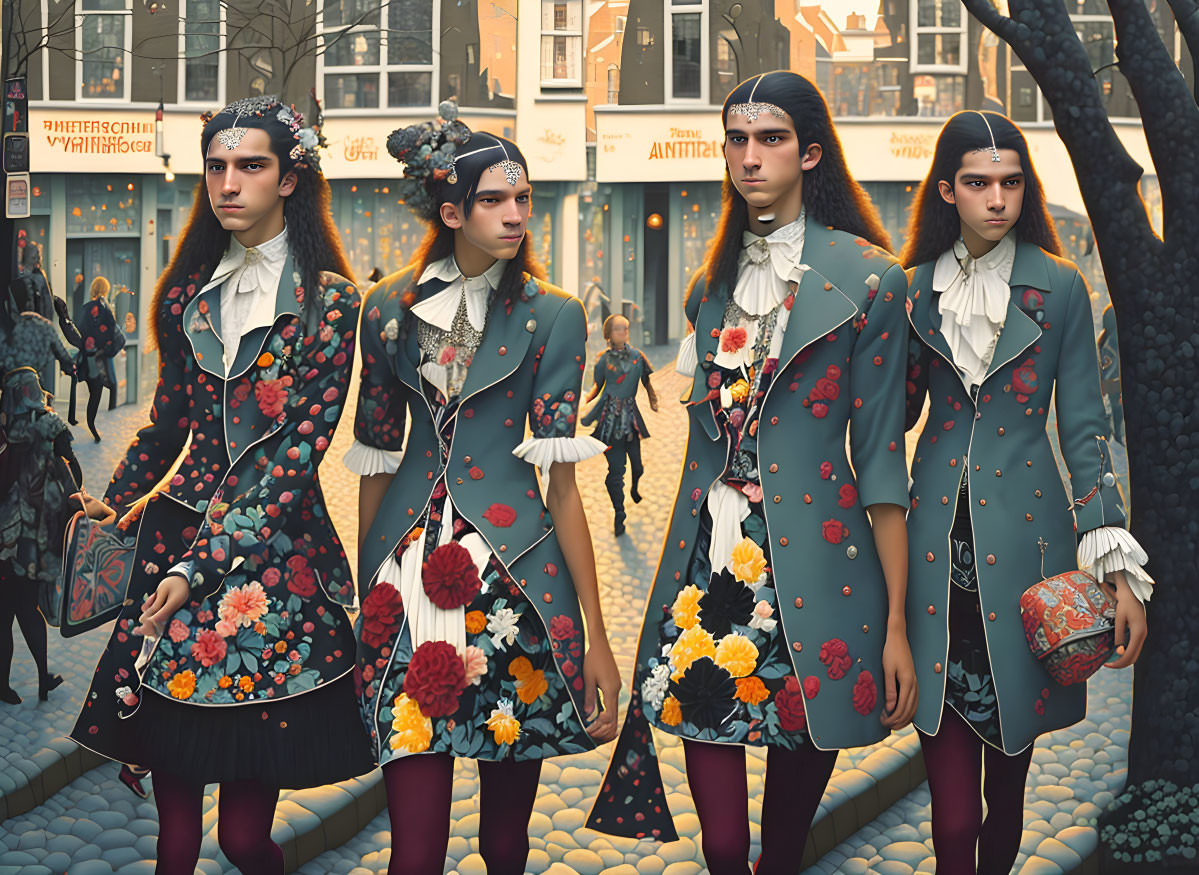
201, 324
505, 341
251, 344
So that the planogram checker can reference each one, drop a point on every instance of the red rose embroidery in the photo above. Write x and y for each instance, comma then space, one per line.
381, 611
1039, 706
302, 579
436, 677
834, 653
826, 470
789, 703
500, 515
811, 686
732, 339
834, 532
271, 396
820, 409
1024, 379
450, 578
833, 372
476, 473
865, 693
848, 495
562, 628
828, 389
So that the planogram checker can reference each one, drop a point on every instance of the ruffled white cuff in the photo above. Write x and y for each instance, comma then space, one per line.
183, 569
543, 452
365, 461
687, 359
1111, 548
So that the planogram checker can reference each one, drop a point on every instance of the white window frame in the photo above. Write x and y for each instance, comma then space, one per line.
222, 36
960, 68
45, 4
126, 71
382, 68
670, 10
580, 35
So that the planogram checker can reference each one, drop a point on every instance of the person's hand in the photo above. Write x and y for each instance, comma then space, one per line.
653, 403
599, 670
1130, 619
159, 607
900, 673
94, 508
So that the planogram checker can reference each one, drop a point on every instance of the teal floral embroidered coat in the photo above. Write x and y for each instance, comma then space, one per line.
1017, 497
270, 578
847, 320
527, 368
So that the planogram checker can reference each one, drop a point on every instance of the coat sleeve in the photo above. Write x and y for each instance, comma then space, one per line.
876, 379
1082, 423
157, 445
382, 397
557, 380
264, 505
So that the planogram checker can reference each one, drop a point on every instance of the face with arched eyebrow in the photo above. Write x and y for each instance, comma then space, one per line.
499, 214
988, 195
245, 188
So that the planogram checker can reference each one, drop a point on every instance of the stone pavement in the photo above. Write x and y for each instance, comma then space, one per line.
91, 823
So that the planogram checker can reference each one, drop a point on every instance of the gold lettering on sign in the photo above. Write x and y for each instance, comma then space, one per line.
550, 138
360, 149
911, 145
96, 137
688, 148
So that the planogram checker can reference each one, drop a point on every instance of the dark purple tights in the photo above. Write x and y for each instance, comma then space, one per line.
795, 781
957, 759
246, 810
419, 789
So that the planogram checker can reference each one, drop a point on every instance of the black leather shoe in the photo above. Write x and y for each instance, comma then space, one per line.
618, 527
47, 685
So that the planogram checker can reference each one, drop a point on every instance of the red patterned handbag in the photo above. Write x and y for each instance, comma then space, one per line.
96, 568
1069, 621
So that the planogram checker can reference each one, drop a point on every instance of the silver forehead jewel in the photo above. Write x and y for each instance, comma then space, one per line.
992, 148
751, 111
512, 170
232, 136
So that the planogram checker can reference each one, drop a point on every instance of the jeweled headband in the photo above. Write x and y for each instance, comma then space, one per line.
282, 122
752, 109
511, 169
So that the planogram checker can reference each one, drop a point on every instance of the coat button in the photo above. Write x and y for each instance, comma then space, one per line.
799, 603
774, 420
851, 551
990, 558
937, 668
503, 350
932, 610
524, 582
777, 499
845, 590
928, 556
796, 646
459, 481
1028, 516
998, 473
982, 502
773, 468
503, 548
1037, 493
944, 499
531, 326
682, 544
695, 512
466, 460
547, 597
783, 542
865, 628
991, 616
693, 465
1109, 479
1001, 431
1029, 463
978, 416
953, 463
807, 498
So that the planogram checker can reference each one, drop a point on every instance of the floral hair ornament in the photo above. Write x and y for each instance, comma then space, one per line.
993, 149
427, 151
752, 109
282, 122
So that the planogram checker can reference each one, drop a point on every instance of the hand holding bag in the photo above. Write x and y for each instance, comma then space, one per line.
96, 569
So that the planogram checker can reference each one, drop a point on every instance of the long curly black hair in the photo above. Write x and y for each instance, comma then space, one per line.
934, 225
831, 195
311, 234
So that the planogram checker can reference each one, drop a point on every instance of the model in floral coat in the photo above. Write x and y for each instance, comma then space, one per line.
776, 615
618, 420
1001, 328
232, 663
474, 590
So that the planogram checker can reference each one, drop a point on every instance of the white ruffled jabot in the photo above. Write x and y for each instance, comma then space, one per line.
973, 302
768, 265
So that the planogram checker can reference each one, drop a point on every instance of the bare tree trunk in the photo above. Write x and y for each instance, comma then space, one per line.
1150, 281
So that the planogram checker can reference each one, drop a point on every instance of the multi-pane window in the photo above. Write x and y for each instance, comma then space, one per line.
201, 56
102, 39
940, 35
562, 42
369, 66
685, 65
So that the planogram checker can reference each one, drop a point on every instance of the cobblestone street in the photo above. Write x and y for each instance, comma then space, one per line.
874, 817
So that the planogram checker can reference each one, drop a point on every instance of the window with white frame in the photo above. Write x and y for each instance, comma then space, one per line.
613, 84
102, 40
685, 65
201, 61
369, 66
940, 36
562, 43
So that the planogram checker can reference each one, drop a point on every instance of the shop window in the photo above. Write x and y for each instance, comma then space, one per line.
201, 59
940, 35
103, 204
102, 40
561, 43
377, 229
367, 66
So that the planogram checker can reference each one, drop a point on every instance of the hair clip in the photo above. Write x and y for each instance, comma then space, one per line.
995, 159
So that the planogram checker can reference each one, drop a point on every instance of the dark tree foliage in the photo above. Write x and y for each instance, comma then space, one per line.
1153, 283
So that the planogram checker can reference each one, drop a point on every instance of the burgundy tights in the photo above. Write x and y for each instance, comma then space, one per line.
419, 789
246, 810
956, 759
795, 781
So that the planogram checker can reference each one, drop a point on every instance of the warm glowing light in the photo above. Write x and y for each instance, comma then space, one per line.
654, 221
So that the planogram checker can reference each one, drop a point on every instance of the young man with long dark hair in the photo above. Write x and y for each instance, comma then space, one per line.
477, 592
1001, 328
232, 662
776, 617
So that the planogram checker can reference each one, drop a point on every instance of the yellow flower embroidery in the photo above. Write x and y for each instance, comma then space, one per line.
739, 390
502, 724
748, 562
672, 714
246, 683
686, 606
182, 685
411, 730
529, 683
695, 643
737, 655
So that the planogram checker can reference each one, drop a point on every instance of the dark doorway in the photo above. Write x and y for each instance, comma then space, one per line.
657, 265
